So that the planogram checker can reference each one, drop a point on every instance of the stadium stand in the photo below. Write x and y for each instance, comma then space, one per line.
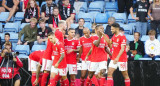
38, 47
23, 49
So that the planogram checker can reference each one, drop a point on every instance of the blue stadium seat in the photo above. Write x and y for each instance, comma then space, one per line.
22, 26
145, 58
158, 38
84, 7
13, 37
111, 6
14, 46
120, 17
43, 3
22, 49
36, 43
88, 25
19, 16
109, 14
130, 37
101, 18
11, 27
74, 25
133, 26
22, 56
37, 3
144, 38
1, 28
128, 29
86, 16
39, 26
38, 47
4, 16
130, 19
96, 6
157, 59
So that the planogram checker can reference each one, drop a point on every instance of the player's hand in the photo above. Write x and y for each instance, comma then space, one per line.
69, 51
56, 65
35, 82
86, 59
77, 59
115, 61
99, 34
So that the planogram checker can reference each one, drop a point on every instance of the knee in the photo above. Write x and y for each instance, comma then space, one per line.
82, 76
90, 75
109, 73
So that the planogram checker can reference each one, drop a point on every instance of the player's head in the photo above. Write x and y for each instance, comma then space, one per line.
42, 23
86, 32
152, 34
62, 24
55, 11
7, 37
71, 32
115, 28
49, 2
51, 37
81, 22
65, 2
99, 28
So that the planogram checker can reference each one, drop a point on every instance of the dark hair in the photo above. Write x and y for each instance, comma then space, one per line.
98, 26
82, 19
71, 29
51, 34
152, 32
42, 20
138, 33
93, 31
116, 25
7, 34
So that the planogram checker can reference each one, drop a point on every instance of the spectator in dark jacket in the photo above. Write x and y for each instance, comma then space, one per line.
79, 29
111, 20
137, 46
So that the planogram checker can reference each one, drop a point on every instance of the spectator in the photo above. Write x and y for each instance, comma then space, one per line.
154, 9
141, 16
2, 9
8, 46
11, 7
137, 46
111, 20
93, 32
7, 38
122, 4
79, 29
67, 12
47, 9
152, 46
53, 20
42, 32
32, 11
121, 30
93, 26
30, 33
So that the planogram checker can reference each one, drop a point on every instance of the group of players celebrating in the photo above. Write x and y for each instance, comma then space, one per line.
60, 57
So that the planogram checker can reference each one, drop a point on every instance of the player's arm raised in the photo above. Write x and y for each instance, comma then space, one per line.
37, 74
97, 42
107, 40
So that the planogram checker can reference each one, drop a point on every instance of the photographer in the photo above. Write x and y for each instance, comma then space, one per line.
9, 66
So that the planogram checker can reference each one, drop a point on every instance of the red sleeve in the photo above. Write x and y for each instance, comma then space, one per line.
123, 40
18, 62
48, 52
40, 62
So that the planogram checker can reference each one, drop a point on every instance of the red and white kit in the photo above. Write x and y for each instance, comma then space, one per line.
34, 59
58, 49
71, 57
86, 44
119, 40
98, 55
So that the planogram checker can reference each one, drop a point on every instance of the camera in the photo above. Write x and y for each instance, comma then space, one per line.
11, 55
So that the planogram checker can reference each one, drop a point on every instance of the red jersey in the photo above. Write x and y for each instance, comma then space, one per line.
116, 47
36, 55
58, 49
98, 53
71, 44
59, 35
86, 44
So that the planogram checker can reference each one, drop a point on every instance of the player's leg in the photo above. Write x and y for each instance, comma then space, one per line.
64, 79
123, 68
46, 65
72, 72
103, 68
98, 76
84, 71
111, 69
54, 72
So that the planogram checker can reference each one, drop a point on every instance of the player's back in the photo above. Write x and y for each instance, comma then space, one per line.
36, 55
